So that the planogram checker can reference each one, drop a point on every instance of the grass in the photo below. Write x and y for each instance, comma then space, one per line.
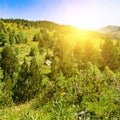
21, 112
50, 111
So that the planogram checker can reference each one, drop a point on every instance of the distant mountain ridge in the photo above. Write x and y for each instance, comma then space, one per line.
110, 29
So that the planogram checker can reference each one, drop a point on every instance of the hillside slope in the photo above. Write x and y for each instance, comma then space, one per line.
57, 72
110, 29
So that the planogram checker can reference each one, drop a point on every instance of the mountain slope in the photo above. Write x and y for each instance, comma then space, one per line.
110, 29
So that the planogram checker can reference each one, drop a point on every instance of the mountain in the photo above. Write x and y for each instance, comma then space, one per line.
40, 24
110, 29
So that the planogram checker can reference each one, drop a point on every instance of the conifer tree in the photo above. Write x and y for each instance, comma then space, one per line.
29, 82
110, 55
8, 85
34, 79
89, 51
4, 38
21, 87
33, 51
36, 37
9, 62
78, 51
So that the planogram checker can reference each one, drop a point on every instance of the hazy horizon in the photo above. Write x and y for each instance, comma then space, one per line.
86, 14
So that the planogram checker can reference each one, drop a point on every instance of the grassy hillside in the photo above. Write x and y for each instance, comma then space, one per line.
57, 72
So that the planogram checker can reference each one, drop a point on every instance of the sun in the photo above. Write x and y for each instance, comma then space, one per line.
81, 18
84, 24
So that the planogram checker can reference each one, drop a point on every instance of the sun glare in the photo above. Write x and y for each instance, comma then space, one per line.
85, 24
81, 17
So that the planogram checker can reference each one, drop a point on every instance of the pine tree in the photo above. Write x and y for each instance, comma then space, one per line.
4, 38
8, 85
9, 62
36, 37
110, 55
11, 38
89, 51
78, 51
29, 82
21, 87
34, 79
33, 51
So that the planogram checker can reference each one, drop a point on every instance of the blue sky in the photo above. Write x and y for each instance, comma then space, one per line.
89, 14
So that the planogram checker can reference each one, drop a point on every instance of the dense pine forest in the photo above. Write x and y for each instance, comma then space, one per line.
58, 72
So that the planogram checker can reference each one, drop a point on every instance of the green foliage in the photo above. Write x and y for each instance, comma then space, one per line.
36, 37
78, 51
27, 116
61, 111
4, 39
34, 79
10, 66
33, 51
8, 85
2, 94
85, 51
99, 95
104, 107
110, 55
6, 92
9, 62
28, 84
82, 74
21, 87
47, 39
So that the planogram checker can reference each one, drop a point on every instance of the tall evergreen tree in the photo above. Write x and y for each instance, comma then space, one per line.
9, 62
4, 38
21, 87
8, 85
110, 55
29, 82
36, 37
78, 51
89, 51
35, 80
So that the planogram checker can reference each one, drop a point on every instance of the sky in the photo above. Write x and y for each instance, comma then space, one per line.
86, 14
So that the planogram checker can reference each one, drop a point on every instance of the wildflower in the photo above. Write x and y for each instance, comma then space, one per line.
62, 95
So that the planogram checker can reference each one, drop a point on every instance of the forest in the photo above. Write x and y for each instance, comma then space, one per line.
58, 72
